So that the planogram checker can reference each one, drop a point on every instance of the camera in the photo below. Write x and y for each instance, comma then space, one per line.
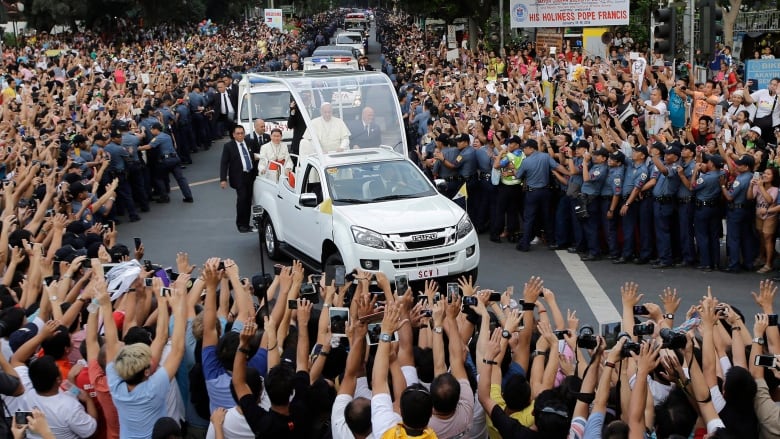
672, 339
586, 338
470, 301
628, 348
646, 328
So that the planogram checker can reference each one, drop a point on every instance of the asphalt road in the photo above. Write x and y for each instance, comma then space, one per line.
206, 228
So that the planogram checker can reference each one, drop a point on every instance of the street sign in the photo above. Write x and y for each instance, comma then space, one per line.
287, 9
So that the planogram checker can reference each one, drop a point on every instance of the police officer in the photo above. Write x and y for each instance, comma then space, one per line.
182, 130
665, 198
611, 194
635, 178
535, 169
594, 175
483, 199
447, 167
117, 169
467, 172
200, 125
706, 187
135, 167
509, 192
574, 161
169, 163
686, 205
147, 120
740, 235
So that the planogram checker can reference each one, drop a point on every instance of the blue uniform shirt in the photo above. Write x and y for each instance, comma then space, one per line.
484, 164
614, 183
667, 185
164, 143
707, 186
130, 143
577, 178
739, 188
597, 176
636, 176
450, 154
117, 155
468, 162
184, 115
167, 115
196, 100
536, 169
683, 191
147, 123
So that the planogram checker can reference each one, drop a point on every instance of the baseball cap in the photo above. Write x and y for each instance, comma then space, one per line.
602, 152
443, 138
673, 149
715, 159
618, 156
22, 336
746, 159
514, 139
641, 149
756, 130
77, 188
463, 138
115, 134
530, 143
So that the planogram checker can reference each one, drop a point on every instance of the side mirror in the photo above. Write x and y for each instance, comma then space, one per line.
308, 200
441, 185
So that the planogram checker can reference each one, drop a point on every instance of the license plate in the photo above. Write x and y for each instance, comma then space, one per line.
428, 273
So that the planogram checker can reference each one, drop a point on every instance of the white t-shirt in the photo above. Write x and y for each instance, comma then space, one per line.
383, 417
764, 103
338, 424
654, 122
234, 427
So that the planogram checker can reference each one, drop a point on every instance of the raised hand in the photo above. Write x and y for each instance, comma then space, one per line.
629, 293
670, 299
532, 288
766, 296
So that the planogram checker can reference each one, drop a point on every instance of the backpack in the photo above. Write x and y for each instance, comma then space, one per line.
199, 396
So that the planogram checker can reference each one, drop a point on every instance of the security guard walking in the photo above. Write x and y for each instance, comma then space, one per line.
467, 172
594, 175
169, 164
536, 169
664, 201
117, 169
706, 187
135, 166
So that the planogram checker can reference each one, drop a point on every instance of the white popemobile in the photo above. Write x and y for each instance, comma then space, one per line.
366, 207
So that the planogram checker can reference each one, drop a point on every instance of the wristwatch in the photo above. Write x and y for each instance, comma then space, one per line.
669, 316
537, 352
506, 334
385, 338
758, 340
438, 329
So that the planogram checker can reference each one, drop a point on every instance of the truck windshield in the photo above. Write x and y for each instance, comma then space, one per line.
269, 106
377, 182
349, 39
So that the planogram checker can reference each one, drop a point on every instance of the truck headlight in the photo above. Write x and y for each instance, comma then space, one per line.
464, 226
367, 237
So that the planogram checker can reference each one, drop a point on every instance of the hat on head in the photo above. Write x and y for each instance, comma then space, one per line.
115, 134
514, 139
715, 159
690, 147
530, 143
582, 144
22, 336
673, 149
747, 160
443, 138
602, 152
739, 93
77, 188
618, 156
78, 138
156, 126
641, 149
463, 138
756, 130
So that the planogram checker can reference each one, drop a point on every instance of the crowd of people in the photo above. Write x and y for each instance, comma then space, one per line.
96, 341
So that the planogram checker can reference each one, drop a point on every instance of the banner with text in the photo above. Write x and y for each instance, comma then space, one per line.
274, 18
761, 71
563, 13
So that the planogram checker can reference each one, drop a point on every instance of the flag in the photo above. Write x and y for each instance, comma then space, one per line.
326, 207
462, 193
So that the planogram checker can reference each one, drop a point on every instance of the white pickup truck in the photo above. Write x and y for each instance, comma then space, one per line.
370, 207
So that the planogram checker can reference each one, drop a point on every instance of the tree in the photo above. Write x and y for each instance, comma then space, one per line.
730, 10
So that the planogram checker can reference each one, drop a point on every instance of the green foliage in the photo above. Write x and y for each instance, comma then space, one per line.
9, 39
639, 19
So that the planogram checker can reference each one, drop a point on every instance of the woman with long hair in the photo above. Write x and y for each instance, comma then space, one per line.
764, 191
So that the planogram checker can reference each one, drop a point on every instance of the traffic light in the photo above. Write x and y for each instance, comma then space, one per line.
665, 32
711, 19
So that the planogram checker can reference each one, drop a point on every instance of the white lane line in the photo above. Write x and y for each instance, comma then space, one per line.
197, 183
591, 290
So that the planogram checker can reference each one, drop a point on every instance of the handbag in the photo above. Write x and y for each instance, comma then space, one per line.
581, 207
765, 122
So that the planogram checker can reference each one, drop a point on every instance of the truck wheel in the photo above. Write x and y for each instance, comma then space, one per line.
267, 235
333, 259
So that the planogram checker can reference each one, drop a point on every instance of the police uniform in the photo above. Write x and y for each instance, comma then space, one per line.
635, 177
535, 170
740, 230
118, 169
576, 180
664, 203
591, 191
197, 103
509, 194
685, 211
182, 129
468, 175
135, 170
613, 188
706, 188
169, 163
484, 194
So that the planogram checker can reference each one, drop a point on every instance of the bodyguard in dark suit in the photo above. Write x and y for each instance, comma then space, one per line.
296, 123
225, 107
239, 168
258, 135
365, 132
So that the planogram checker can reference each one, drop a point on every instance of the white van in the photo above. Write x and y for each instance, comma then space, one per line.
270, 101
352, 39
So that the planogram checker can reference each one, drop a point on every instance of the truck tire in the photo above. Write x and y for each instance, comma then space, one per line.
333, 259
270, 242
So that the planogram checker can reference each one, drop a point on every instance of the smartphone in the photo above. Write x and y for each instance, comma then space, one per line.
427, 313
278, 269
756, 175
21, 417
221, 265
86, 263
339, 275
373, 317
644, 329
772, 319
640, 310
165, 292
292, 304
148, 282
610, 332
470, 301
338, 320
172, 275
727, 135
49, 279
761, 360
401, 284
372, 336
452, 291
148, 265
316, 278
137, 243
495, 297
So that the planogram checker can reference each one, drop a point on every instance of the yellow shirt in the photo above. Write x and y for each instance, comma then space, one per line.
525, 417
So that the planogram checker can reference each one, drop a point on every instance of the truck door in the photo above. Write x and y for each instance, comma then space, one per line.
311, 222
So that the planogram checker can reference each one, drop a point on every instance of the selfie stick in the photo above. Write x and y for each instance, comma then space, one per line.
538, 111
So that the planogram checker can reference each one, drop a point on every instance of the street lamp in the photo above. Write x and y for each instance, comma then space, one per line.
14, 11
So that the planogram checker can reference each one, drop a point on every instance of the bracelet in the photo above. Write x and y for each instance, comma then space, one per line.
112, 198
537, 353
272, 348
244, 351
66, 276
736, 328
528, 306
542, 311
490, 362
609, 364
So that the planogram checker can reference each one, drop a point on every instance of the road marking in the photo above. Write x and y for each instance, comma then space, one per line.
591, 290
197, 183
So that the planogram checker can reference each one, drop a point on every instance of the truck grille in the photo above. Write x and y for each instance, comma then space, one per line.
420, 240
424, 261
425, 244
